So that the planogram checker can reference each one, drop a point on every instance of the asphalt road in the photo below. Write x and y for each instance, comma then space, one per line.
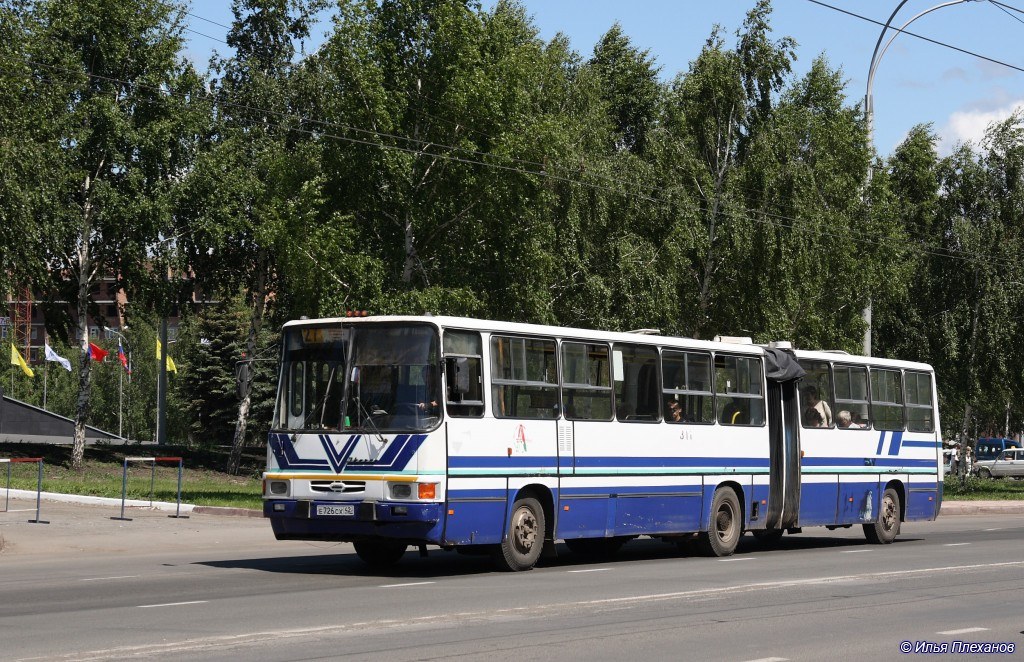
86, 587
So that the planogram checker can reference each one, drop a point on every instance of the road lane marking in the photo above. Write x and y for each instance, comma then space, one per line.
591, 570
770, 659
223, 642
992, 529
174, 604
963, 631
856, 551
100, 579
406, 584
745, 558
956, 544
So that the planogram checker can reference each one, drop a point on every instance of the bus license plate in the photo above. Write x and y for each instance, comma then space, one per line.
343, 511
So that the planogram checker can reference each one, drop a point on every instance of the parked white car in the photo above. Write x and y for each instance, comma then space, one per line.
1008, 463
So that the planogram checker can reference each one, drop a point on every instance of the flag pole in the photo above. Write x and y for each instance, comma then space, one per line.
120, 401
46, 372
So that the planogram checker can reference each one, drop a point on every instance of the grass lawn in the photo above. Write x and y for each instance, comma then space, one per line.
983, 489
203, 480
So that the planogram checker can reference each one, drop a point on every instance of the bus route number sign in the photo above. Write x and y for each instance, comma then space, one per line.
342, 511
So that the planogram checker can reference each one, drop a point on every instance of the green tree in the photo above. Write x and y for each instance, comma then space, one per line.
245, 207
629, 87
111, 76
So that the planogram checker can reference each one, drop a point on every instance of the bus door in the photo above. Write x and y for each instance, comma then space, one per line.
782, 372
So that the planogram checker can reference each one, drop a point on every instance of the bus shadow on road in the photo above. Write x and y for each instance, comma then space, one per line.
443, 563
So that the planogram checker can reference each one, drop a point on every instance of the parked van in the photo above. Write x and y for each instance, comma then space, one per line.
989, 448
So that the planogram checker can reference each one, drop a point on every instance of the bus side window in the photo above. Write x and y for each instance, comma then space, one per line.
635, 373
886, 399
586, 384
817, 407
463, 361
852, 397
739, 397
524, 377
918, 386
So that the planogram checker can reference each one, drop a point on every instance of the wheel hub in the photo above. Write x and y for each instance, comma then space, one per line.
524, 530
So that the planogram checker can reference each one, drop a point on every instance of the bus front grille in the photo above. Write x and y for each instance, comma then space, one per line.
337, 486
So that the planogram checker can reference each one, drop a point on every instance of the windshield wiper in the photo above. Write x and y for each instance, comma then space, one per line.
377, 411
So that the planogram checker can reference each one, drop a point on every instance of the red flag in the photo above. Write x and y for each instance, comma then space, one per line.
97, 353
122, 358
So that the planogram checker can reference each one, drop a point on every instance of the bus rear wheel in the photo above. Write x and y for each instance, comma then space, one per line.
379, 553
885, 529
521, 547
726, 525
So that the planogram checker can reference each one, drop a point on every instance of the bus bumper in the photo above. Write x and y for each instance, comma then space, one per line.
351, 521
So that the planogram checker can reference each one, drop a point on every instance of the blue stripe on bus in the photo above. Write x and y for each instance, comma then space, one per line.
693, 489
931, 443
897, 439
499, 461
864, 462
881, 442
395, 458
584, 462
548, 462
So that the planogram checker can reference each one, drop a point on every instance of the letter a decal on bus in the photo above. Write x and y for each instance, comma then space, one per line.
520, 440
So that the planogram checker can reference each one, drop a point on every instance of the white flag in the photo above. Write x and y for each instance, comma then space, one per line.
54, 356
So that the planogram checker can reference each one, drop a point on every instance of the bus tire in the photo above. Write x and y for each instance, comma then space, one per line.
725, 525
521, 548
885, 529
379, 553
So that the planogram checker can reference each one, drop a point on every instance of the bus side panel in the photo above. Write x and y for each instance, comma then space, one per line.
756, 508
657, 505
818, 499
475, 510
922, 497
583, 508
858, 498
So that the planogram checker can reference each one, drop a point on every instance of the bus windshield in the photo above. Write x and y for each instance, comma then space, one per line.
387, 376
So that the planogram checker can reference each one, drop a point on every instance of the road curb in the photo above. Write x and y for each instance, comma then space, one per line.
982, 508
228, 512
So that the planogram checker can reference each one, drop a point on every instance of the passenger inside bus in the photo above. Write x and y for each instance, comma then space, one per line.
673, 412
812, 418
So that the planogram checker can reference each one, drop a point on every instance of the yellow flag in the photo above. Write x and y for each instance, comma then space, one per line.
17, 360
159, 355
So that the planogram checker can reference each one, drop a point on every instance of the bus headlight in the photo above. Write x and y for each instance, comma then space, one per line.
401, 491
278, 487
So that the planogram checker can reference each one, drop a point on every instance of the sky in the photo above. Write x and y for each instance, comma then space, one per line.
915, 82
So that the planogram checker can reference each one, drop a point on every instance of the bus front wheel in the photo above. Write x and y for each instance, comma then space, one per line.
884, 530
522, 546
725, 526
379, 553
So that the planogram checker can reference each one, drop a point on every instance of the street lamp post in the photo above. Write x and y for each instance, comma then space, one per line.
120, 379
869, 112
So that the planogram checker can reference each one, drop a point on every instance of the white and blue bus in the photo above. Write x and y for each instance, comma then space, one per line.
497, 437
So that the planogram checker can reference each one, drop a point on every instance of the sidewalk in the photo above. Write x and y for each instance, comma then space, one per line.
185, 508
982, 508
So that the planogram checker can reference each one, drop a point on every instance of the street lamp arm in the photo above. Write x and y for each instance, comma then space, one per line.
877, 56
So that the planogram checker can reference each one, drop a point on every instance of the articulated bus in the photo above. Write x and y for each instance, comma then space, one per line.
502, 438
